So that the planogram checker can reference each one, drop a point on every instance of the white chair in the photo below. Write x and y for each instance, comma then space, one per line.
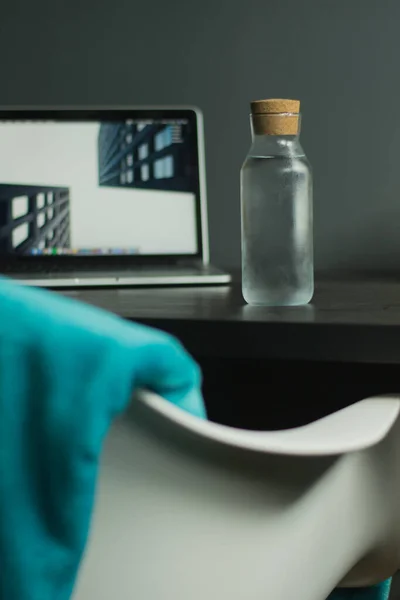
191, 510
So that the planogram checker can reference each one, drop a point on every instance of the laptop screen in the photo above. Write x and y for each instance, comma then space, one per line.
99, 187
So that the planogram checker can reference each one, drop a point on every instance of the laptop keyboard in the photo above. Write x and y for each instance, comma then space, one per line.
37, 268
33, 268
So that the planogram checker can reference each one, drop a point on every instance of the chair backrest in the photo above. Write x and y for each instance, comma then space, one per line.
190, 509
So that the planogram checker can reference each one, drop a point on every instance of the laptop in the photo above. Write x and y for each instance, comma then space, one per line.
104, 197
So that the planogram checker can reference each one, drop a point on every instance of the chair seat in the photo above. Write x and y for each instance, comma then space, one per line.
191, 509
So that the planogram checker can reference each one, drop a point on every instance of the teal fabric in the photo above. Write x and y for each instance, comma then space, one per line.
66, 370
376, 592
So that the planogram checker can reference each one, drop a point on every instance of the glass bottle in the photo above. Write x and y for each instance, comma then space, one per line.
276, 206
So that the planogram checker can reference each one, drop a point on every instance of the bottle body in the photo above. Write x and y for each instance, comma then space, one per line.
277, 223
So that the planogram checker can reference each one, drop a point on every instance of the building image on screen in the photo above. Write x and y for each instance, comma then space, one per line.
33, 217
147, 155
87, 187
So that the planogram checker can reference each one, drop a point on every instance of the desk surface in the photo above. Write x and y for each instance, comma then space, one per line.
357, 321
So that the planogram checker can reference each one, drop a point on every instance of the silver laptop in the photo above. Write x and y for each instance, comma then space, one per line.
104, 197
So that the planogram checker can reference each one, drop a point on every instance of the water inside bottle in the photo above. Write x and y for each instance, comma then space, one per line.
277, 230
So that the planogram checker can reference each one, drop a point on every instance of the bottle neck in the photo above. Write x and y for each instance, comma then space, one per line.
276, 145
276, 134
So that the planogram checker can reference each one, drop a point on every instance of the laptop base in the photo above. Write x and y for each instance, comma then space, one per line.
140, 277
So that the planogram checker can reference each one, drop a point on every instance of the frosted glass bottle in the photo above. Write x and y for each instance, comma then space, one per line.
276, 207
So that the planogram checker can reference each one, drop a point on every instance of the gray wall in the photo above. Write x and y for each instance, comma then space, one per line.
339, 57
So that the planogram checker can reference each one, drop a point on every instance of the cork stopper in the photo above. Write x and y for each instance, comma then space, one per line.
275, 116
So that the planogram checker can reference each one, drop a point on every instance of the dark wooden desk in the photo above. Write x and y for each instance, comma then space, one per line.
272, 368
347, 322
